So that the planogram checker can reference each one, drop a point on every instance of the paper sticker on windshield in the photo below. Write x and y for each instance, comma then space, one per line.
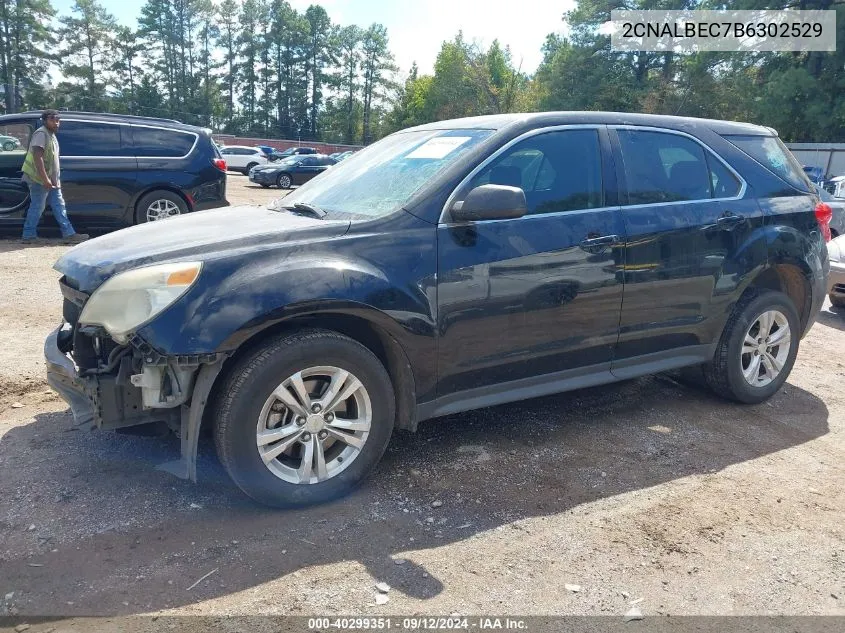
439, 147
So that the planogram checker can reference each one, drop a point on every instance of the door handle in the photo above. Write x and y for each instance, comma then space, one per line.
730, 220
598, 242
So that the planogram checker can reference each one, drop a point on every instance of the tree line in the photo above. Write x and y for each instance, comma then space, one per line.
252, 68
262, 68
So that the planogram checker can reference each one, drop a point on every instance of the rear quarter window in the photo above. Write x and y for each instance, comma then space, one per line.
153, 142
772, 154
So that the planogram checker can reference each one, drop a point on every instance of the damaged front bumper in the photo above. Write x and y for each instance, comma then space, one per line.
143, 387
64, 379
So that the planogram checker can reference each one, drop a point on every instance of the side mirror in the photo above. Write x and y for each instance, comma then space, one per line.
490, 202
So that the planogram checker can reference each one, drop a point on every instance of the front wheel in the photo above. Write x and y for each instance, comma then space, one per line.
8, 146
284, 181
757, 349
304, 419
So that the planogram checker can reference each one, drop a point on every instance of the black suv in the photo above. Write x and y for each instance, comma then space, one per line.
447, 267
117, 170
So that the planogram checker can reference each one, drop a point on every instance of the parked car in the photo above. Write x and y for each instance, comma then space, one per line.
292, 151
343, 155
836, 281
9, 143
241, 158
118, 170
836, 187
450, 266
294, 170
837, 206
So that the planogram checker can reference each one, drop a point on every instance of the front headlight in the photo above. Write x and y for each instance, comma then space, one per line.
132, 298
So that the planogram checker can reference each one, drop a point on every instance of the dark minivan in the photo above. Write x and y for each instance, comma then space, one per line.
117, 170
447, 267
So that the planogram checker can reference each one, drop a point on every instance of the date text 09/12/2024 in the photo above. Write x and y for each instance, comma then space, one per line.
417, 624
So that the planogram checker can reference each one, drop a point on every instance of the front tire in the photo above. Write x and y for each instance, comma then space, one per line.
304, 419
8, 146
757, 349
284, 181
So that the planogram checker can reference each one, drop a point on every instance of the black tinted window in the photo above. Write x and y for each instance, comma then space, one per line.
663, 167
558, 171
723, 182
309, 161
83, 138
770, 152
164, 143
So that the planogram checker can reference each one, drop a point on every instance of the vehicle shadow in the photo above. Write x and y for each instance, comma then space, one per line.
121, 528
833, 317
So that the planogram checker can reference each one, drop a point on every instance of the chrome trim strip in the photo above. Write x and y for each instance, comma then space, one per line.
742, 190
152, 127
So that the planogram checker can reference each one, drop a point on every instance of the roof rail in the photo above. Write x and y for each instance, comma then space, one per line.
110, 114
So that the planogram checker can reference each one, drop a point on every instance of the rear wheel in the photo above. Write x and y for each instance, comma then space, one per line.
757, 349
304, 419
159, 205
284, 181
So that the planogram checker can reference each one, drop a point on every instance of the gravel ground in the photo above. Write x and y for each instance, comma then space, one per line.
645, 489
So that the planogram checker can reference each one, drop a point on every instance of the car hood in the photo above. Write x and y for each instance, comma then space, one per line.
195, 236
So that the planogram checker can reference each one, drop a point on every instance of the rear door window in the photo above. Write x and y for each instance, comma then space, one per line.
160, 143
772, 154
664, 167
90, 139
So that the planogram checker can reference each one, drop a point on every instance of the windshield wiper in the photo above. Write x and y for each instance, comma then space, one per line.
316, 211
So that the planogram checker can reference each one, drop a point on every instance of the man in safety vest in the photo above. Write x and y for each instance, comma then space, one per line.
41, 172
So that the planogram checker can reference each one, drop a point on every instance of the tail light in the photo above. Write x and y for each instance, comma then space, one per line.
824, 214
220, 164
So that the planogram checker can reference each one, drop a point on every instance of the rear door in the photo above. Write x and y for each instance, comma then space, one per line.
14, 193
687, 225
537, 297
99, 170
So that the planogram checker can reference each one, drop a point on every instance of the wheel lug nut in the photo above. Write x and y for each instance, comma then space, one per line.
306, 437
322, 435
300, 421
330, 417
316, 408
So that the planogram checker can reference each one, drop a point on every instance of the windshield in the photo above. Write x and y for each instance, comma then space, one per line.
380, 179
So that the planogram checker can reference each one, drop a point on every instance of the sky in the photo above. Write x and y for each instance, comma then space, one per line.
417, 28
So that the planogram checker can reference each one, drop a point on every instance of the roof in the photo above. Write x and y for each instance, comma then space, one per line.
543, 119
110, 116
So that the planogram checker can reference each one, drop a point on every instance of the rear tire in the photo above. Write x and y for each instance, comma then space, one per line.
735, 373
159, 205
249, 399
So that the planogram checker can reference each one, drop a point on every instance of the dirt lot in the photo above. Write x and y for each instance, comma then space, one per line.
646, 489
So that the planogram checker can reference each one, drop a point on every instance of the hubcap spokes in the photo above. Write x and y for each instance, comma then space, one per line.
314, 425
765, 348
161, 210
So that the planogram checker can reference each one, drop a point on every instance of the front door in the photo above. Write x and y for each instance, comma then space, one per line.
537, 295
14, 193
